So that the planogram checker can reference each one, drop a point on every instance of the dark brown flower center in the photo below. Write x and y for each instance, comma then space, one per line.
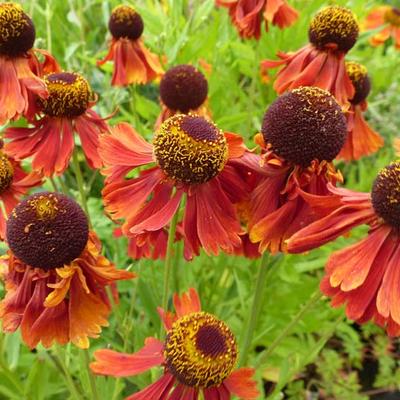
125, 22
69, 95
386, 194
200, 350
190, 149
183, 88
47, 230
6, 172
305, 124
392, 16
334, 25
358, 75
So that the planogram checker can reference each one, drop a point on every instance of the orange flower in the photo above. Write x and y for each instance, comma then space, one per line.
365, 275
14, 183
133, 63
192, 156
332, 33
183, 89
247, 15
20, 68
389, 19
302, 132
51, 141
56, 277
198, 355
362, 140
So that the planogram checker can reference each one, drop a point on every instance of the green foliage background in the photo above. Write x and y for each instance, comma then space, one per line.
324, 355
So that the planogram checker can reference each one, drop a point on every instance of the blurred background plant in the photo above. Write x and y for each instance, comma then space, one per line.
313, 352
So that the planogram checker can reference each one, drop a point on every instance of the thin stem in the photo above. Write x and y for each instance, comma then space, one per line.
79, 181
68, 378
132, 92
64, 187
310, 303
53, 183
49, 15
168, 261
255, 307
92, 381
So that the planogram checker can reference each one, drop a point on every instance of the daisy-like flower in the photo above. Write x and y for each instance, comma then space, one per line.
198, 355
51, 139
20, 69
332, 33
364, 276
388, 18
56, 277
14, 183
133, 63
183, 89
248, 15
188, 155
362, 140
302, 132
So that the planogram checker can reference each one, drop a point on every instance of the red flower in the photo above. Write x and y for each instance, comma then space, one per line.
14, 183
302, 131
198, 356
20, 69
362, 140
51, 141
56, 277
183, 89
192, 157
389, 19
133, 63
365, 275
247, 15
332, 33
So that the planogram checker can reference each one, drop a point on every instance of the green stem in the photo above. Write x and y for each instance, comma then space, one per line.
64, 187
255, 307
79, 181
92, 381
68, 378
168, 261
53, 183
317, 295
49, 15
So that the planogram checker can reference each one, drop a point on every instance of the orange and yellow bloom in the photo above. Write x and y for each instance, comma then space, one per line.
302, 132
248, 15
133, 63
361, 140
55, 276
388, 19
332, 33
189, 155
198, 355
365, 275
50, 142
20, 69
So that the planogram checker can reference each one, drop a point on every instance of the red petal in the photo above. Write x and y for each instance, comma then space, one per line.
241, 384
188, 303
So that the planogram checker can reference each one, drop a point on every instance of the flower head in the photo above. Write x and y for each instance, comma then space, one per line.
6, 172
47, 230
125, 22
183, 88
305, 124
69, 95
365, 274
199, 354
362, 140
189, 155
66, 110
336, 26
332, 33
387, 18
56, 277
190, 149
133, 63
17, 33
302, 132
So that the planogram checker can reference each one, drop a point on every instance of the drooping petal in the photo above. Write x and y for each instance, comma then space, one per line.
113, 363
159, 390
